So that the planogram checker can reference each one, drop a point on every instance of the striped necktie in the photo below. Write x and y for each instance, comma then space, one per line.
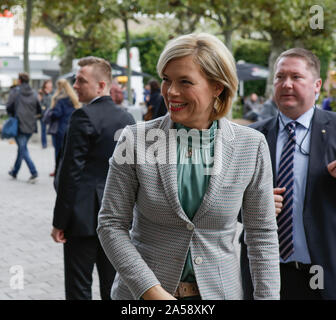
286, 179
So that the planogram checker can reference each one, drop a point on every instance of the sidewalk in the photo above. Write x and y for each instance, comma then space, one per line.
26, 247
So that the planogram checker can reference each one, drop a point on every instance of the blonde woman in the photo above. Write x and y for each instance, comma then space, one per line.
169, 212
63, 103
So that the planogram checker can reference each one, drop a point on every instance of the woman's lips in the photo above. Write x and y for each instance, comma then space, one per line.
175, 107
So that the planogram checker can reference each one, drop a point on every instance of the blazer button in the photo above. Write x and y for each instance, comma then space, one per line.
198, 260
190, 226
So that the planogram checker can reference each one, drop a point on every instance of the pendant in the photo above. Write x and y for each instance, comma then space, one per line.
189, 152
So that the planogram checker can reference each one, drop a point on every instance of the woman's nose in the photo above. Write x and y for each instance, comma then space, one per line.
173, 89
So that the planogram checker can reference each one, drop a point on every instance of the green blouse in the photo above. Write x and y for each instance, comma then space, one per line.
195, 151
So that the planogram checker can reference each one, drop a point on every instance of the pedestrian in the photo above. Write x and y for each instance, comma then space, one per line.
117, 94
329, 103
23, 103
45, 100
303, 151
156, 101
146, 94
269, 109
61, 111
52, 123
80, 179
252, 107
133, 96
176, 184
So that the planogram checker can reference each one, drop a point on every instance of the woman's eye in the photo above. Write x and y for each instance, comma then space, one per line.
186, 82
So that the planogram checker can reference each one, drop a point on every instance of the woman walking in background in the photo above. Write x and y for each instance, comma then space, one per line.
45, 100
63, 103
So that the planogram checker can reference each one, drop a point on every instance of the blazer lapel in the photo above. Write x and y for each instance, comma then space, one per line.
168, 169
222, 158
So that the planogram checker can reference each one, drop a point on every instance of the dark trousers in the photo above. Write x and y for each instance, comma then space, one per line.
43, 134
23, 154
294, 283
80, 255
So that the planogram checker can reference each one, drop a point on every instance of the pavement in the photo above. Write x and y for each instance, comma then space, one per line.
31, 263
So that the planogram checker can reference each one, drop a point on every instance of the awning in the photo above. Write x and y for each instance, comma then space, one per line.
250, 71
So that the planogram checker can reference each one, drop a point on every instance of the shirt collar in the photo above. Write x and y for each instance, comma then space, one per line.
94, 99
304, 120
204, 137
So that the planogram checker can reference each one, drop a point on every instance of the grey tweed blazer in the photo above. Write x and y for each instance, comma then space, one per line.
146, 234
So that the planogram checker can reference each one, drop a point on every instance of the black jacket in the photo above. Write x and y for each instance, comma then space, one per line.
24, 104
319, 212
157, 102
83, 168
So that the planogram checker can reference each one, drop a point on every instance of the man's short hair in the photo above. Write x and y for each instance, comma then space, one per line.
101, 66
24, 77
313, 62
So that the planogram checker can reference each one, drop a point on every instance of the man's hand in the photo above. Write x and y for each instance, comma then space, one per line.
157, 293
332, 168
58, 235
278, 199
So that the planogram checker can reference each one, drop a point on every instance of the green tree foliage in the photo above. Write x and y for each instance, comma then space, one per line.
81, 24
288, 24
252, 51
150, 45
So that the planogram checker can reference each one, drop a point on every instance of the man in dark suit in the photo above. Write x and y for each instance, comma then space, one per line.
306, 206
81, 176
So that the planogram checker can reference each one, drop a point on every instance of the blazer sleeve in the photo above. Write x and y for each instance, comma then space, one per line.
259, 221
76, 149
115, 219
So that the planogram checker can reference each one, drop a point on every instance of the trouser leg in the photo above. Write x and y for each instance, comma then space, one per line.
26, 156
106, 273
79, 258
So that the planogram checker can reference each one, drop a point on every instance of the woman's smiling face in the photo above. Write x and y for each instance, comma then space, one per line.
188, 94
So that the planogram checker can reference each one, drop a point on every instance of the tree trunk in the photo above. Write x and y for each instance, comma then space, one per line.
277, 46
228, 39
28, 20
69, 55
129, 92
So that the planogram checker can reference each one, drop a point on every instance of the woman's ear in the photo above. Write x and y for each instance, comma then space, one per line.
218, 88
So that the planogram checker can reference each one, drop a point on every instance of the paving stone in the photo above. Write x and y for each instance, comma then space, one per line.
26, 212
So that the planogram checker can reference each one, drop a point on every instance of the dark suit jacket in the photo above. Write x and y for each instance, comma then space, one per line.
82, 171
319, 212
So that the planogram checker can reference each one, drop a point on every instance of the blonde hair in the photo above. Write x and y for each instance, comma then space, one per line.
64, 90
215, 61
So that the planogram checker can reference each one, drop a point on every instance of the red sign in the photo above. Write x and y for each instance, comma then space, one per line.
6, 14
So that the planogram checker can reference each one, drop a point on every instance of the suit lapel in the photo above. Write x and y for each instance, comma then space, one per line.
270, 132
318, 142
